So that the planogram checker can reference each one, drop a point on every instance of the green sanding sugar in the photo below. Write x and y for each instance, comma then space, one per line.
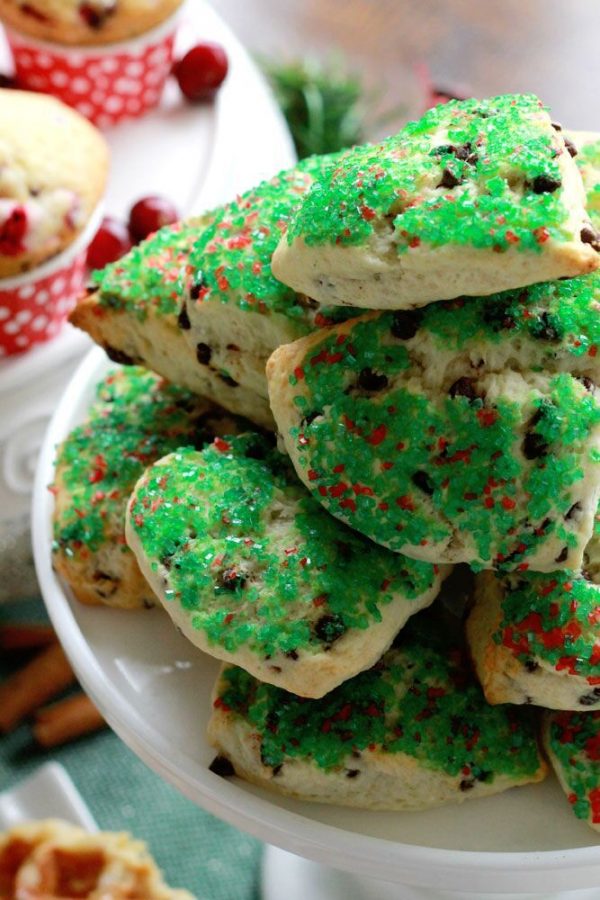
149, 276
136, 419
416, 701
231, 259
254, 560
556, 318
405, 466
553, 618
575, 742
481, 173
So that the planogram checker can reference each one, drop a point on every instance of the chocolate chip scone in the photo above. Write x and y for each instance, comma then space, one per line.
135, 419
572, 743
213, 330
476, 197
53, 169
85, 21
253, 571
53, 859
536, 638
410, 733
454, 433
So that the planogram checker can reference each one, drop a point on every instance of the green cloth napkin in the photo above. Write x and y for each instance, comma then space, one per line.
195, 851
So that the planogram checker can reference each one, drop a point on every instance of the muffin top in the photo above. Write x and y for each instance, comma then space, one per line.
85, 22
53, 168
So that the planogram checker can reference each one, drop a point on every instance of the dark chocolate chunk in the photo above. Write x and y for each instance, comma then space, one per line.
466, 153
292, 654
221, 766
571, 148
277, 769
352, 773
534, 445
586, 382
406, 323
369, 380
449, 179
574, 511
546, 328
589, 235
118, 356
497, 314
557, 126
562, 555
228, 379
531, 665
590, 699
203, 354
197, 286
467, 784
422, 480
330, 628
231, 579
545, 184
183, 320
464, 387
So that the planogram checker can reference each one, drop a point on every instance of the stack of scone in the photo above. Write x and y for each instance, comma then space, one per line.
430, 309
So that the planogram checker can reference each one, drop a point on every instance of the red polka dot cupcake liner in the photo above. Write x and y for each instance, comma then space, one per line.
34, 306
105, 84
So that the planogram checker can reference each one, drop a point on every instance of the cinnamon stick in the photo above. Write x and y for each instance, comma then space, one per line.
48, 673
66, 720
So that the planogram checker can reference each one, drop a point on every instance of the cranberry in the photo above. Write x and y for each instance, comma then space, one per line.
110, 243
201, 71
13, 231
148, 215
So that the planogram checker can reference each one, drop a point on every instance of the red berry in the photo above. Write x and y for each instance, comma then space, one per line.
148, 215
110, 243
13, 231
201, 71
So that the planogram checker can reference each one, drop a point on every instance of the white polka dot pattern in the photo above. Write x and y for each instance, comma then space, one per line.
35, 312
105, 87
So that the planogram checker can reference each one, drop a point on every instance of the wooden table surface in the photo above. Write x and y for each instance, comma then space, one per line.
549, 47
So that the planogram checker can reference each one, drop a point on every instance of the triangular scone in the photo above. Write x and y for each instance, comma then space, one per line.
476, 197
572, 743
412, 732
253, 571
536, 638
135, 419
197, 303
465, 432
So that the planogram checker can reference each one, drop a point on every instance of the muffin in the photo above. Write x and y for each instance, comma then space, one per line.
85, 22
53, 168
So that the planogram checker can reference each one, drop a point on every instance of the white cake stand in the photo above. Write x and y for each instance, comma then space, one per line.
154, 688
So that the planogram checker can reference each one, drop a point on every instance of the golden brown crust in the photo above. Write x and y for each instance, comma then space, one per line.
60, 21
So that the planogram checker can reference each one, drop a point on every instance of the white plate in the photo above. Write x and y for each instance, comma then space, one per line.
47, 794
154, 689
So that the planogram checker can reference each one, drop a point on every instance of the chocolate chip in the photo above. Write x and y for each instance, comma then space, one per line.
484, 775
590, 236
94, 17
531, 665
352, 773
573, 513
571, 148
306, 302
588, 384
369, 380
557, 126
590, 699
277, 769
230, 579
310, 418
197, 286
449, 179
330, 628
467, 784
422, 480
292, 654
534, 445
227, 379
406, 323
497, 314
562, 556
183, 320
545, 328
203, 354
464, 387
466, 153
545, 184
221, 766
118, 356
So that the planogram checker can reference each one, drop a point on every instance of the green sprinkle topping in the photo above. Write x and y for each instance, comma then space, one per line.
480, 173
136, 419
574, 740
416, 701
409, 464
588, 161
254, 561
